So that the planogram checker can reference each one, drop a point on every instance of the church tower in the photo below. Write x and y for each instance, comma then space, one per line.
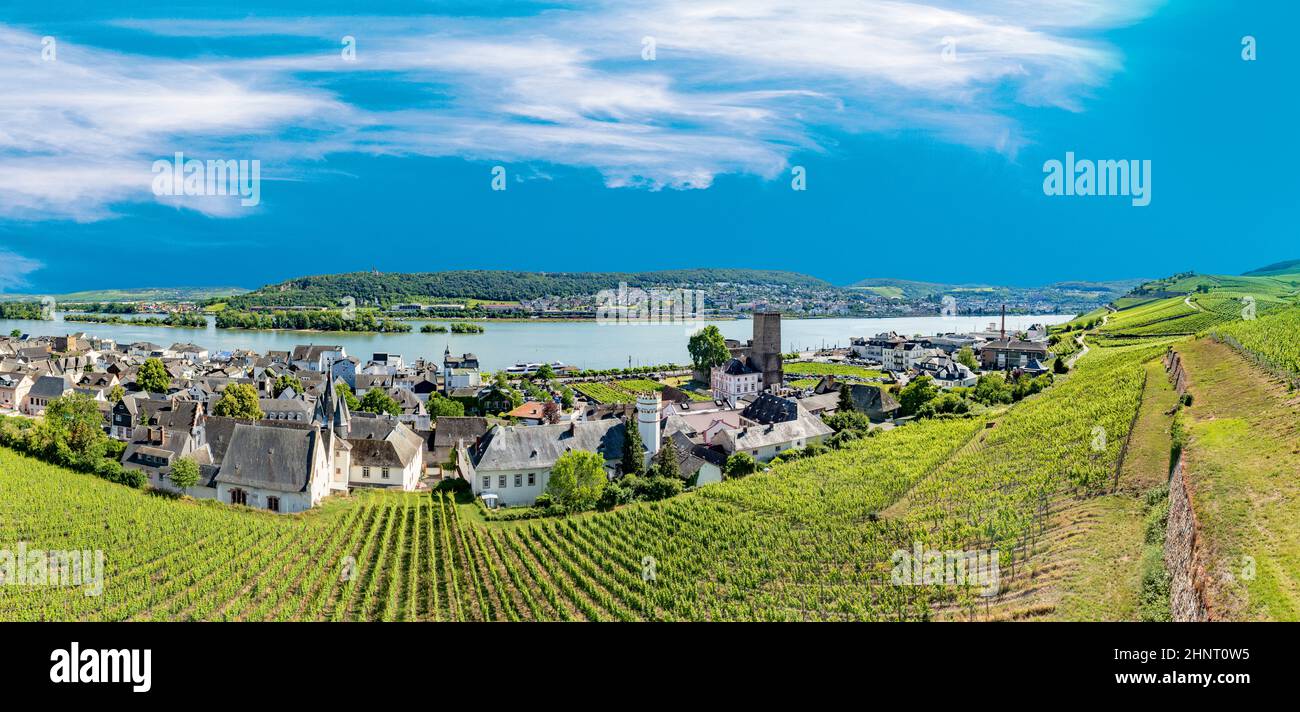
647, 421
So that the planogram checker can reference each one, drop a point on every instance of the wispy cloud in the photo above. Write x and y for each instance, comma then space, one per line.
14, 269
735, 88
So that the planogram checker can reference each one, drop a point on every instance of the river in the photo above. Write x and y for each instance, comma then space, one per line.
579, 343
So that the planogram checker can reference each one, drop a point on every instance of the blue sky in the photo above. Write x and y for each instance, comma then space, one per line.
922, 128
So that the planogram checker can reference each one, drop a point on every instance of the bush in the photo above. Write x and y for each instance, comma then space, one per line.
657, 488
453, 485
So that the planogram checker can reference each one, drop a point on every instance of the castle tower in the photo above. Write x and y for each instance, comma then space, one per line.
647, 421
765, 350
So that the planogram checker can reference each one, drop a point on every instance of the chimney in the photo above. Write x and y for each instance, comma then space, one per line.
1004, 322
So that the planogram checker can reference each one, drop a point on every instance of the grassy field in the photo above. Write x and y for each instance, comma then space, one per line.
1243, 459
810, 368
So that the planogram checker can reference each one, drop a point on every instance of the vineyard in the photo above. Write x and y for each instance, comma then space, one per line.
626, 390
811, 368
810, 540
1272, 340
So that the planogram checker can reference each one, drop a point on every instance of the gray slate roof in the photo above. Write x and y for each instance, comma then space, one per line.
525, 447
278, 459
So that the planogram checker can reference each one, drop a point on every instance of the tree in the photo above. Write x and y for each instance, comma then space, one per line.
377, 401
577, 480
566, 398
666, 461
440, 406
633, 449
239, 400
75, 420
544, 372
16, 333
184, 473
153, 376
1059, 366
344, 391
116, 393
966, 357
739, 465
708, 348
550, 412
845, 403
992, 389
287, 381
916, 394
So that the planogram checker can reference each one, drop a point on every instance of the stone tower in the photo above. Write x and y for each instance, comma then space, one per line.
647, 421
765, 349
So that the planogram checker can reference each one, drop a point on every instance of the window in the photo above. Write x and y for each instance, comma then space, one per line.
501, 481
532, 479
365, 473
519, 480
273, 504
487, 483
238, 496
384, 473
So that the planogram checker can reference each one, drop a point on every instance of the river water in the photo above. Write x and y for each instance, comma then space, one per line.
579, 343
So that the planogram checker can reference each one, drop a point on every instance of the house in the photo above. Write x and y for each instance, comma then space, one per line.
313, 357
385, 453
698, 464
454, 378
278, 469
529, 413
947, 373
735, 379
769, 408
1008, 353
874, 402
44, 390
515, 462
450, 430
493, 399
764, 442
13, 390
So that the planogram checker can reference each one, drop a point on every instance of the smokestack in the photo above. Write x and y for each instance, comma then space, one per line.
1004, 322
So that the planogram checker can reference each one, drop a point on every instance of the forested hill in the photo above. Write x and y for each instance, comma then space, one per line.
494, 285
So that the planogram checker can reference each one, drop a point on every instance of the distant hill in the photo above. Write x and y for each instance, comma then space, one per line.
911, 290
146, 294
499, 285
1277, 268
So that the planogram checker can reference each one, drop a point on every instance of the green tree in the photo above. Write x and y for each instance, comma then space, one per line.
916, 394
287, 381
442, 407
708, 348
184, 473
566, 398
377, 401
344, 391
966, 357
75, 420
16, 333
666, 461
577, 480
239, 400
544, 373
116, 393
633, 449
153, 376
739, 465
845, 403
992, 389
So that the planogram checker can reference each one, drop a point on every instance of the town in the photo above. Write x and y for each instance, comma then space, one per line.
283, 430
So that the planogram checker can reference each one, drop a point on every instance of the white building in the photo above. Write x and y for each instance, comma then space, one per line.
515, 463
764, 442
734, 380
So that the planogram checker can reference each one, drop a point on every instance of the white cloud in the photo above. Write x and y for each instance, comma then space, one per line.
14, 269
735, 88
